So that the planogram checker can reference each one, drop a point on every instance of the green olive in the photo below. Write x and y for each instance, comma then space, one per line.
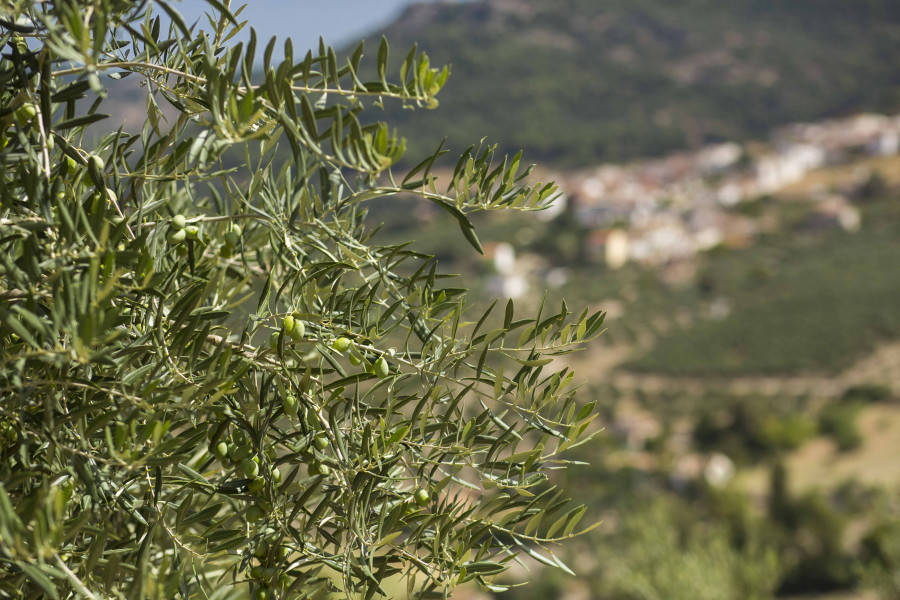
262, 594
299, 330
176, 237
273, 340
341, 344
355, 360
232, 239
26, 112
320, 441
255, 513
221, 449
422, 497
178, 222
256, 485
288, 325
319, 469
250, 468
70, 162
97, 161
291, 405
192, 232
225, 252
381, 367
51, 142
261, 550
276, 475
238, 452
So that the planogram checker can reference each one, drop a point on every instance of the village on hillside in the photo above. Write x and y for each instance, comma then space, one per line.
664, 211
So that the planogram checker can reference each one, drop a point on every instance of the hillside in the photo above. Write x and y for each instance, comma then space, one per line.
577, 82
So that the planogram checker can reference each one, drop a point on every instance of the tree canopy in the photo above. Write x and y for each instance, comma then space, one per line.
214, 381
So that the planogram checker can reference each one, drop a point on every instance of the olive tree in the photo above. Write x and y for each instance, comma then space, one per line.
214, 381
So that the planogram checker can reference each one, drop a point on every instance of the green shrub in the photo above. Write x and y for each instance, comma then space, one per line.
839, 420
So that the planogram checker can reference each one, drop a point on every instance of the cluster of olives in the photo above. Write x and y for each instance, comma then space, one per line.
177, 230
380, 367
237, 450
268, 552
292, 328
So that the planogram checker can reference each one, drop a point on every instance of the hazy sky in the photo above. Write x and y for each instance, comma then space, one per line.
338, 21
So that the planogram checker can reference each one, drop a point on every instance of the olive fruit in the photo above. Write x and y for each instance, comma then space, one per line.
320, 441
261, 594
178, 222
26, 112
276, 475
381, 367
355, 360
341, 344
97, 161
290, 405
176, 237
260, 572
233, 237
299, 330
255, 513
273, 340
250, 467
288, 325
256, 484
225, 252
238, 452
221, 449
422, 497
261, 550
192, 232
319, 469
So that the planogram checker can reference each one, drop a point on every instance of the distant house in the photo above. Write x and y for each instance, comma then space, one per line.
789, 165
510, 279
611, 247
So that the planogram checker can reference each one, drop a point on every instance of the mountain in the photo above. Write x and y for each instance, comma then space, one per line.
576, 82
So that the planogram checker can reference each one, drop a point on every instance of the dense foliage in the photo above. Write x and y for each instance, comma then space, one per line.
213, 383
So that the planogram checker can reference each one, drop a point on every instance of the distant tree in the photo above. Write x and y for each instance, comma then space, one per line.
213, 381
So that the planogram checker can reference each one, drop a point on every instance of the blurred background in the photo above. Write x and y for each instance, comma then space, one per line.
731, 196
